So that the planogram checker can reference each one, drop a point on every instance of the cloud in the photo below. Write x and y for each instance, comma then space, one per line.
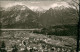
58, 4
35, 2
12, 4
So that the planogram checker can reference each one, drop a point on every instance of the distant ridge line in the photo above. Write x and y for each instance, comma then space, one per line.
20, 29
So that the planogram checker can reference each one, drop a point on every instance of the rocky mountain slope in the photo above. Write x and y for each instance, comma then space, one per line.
20, 16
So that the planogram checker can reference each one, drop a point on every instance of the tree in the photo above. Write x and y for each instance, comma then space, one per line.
76, 5
25, 50
0, 28
31, 50
15, 49
24, 43
1, 10
3, 46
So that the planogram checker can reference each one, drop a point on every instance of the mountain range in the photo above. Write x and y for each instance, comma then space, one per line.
21, 16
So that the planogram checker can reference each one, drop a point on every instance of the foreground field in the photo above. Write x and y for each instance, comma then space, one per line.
37, 42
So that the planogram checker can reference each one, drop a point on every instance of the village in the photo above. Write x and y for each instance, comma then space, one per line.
29, 42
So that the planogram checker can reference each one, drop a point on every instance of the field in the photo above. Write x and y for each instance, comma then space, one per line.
38, 42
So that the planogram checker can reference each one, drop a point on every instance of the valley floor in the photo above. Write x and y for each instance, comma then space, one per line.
32, 42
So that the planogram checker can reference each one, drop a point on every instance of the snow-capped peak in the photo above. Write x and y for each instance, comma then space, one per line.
23, 7
13, 4
17, 7
36, 8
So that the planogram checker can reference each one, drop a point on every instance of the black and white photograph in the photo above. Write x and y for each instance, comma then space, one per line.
39, 26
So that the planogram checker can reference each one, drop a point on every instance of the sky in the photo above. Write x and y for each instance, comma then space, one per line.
36, 4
